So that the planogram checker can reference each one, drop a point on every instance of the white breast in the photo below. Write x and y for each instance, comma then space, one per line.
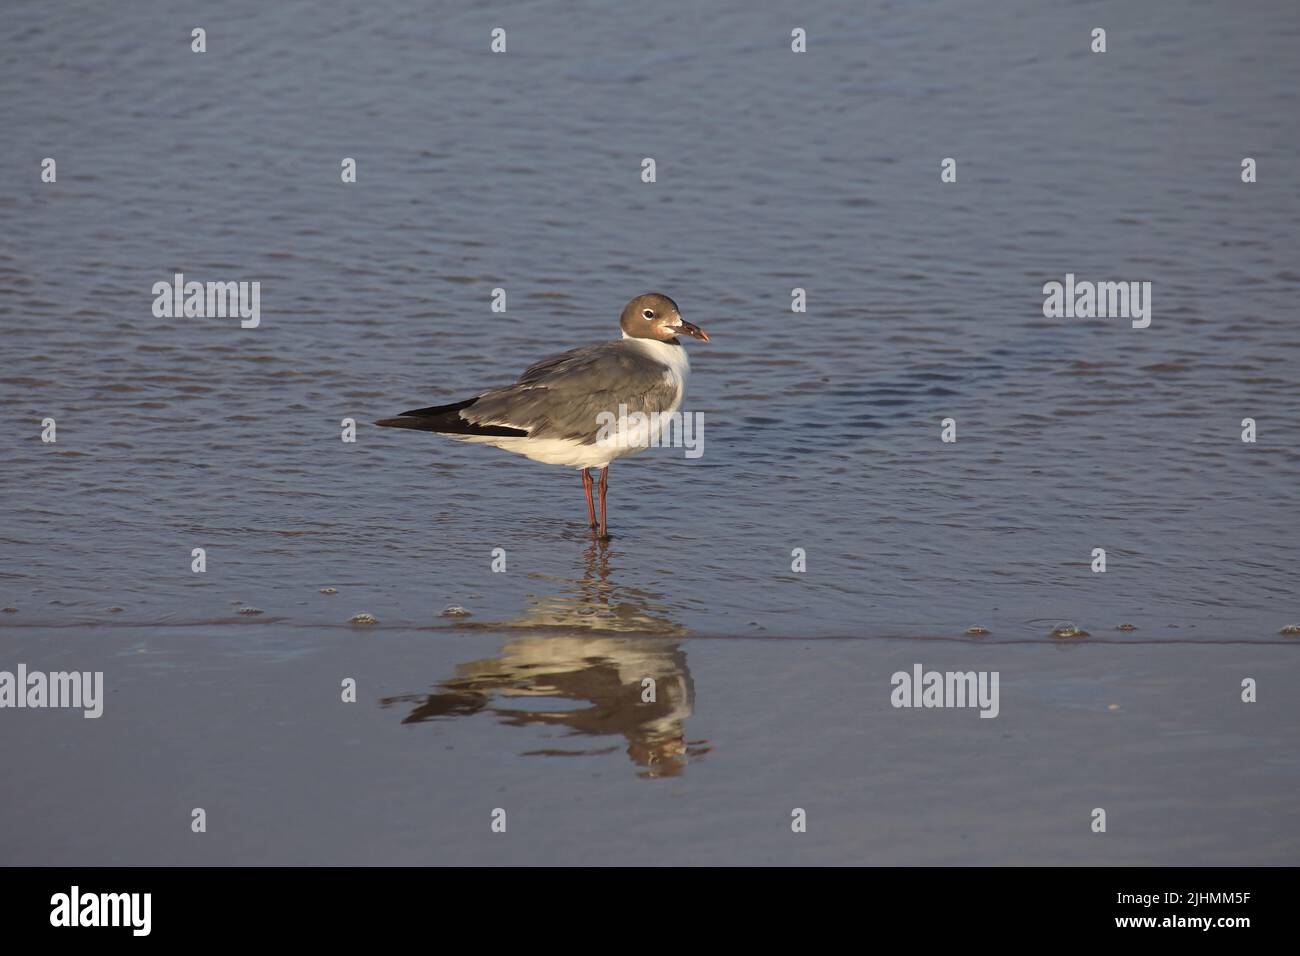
677, 364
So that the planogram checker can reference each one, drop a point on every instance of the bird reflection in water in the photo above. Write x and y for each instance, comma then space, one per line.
595, 642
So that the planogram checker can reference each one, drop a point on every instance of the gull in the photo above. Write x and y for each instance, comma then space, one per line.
559, 409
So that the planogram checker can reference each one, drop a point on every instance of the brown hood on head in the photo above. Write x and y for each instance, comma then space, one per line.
655, 316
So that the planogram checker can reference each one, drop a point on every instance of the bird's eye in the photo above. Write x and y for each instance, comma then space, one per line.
648, 313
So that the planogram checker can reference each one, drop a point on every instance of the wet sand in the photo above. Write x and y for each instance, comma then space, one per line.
247, 723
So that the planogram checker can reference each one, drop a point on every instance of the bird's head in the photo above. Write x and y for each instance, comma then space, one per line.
655, 316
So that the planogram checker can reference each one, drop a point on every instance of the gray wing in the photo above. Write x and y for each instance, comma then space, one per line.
561, 396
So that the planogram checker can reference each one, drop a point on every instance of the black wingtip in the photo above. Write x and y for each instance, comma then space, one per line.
451, 424
438, 411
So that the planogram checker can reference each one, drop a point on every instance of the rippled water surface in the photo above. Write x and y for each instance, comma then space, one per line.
822, 430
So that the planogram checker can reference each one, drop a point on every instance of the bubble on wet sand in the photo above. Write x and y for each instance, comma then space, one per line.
329, 590
976, 631
249, 611
455, 610
363, 618
1067, 629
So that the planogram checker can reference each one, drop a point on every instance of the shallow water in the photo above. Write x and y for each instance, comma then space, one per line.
821, 430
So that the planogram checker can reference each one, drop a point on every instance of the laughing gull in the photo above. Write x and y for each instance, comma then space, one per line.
554, 413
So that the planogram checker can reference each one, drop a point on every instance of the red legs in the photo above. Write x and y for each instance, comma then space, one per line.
591, 507
604, 486
587, 484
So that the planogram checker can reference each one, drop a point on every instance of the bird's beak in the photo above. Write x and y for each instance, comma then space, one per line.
694, 331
